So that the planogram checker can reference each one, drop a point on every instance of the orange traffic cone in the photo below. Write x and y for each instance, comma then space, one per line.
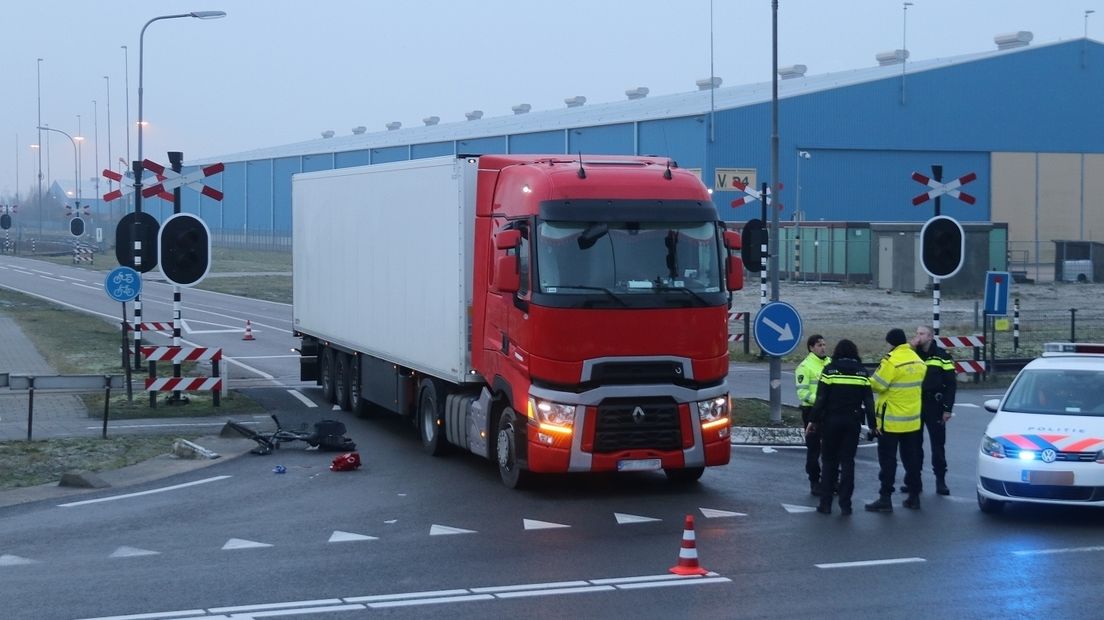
248, 335
688, 554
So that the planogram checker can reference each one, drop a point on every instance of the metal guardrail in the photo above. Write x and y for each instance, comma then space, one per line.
62, 383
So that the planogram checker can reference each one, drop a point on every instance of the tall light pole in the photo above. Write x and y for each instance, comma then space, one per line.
798, 216
96, 147
904, 45
126, 90
76, 168
109, 160
39, 81
138, 185
1085, 43
79, 140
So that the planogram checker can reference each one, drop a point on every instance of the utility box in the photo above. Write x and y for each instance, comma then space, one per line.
1078, 261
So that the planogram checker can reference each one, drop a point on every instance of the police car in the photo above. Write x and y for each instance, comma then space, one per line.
1045, 445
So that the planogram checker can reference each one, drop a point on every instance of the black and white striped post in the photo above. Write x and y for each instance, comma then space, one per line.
935, 306
1016, 325
136, 235
176, 161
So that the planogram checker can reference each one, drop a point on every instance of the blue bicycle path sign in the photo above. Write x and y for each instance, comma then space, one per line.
777, 328
123, 284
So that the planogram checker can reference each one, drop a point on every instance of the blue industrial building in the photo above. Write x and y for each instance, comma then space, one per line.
1024, 118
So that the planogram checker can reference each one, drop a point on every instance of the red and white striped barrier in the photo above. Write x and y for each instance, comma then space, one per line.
735, 337
954, 342
152, 327
969, 367
736, 316
181, 354
184, 384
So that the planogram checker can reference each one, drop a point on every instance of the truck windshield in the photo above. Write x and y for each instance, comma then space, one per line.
626, 259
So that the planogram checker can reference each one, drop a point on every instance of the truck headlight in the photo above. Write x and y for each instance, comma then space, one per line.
992, 447
550, 416
713, 412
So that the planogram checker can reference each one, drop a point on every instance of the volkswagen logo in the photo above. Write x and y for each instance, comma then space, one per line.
1048, 455
638, 415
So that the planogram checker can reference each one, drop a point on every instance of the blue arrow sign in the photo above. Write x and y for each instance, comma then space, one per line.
996, 292
777, 328
123, 284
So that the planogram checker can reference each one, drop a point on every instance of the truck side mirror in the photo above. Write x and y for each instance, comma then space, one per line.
734, 279
507, 239
506, 277
732, 240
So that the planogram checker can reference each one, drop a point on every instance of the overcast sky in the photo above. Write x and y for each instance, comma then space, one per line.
281, 71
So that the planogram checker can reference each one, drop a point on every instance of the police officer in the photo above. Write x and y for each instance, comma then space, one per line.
806, 376
936, 403
843, 399
897, 383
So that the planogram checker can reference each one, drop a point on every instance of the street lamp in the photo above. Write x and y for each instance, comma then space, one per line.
39, 82
76, 168
904, 46
798, 215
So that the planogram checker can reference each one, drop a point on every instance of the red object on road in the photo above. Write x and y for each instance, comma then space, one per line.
688, 554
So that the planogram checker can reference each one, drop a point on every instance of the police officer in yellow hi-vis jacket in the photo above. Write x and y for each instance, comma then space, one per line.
807, 375
897, 386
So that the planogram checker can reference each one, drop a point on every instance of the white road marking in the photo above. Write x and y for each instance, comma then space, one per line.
237, 608
14, 560
165, 425
971, 405
306, 401
444, 530
1053, 551
769, 450
154, 616
524, 593
95, 288
403, 596
667, 584
339, 536
712, 513
149, 492
533, 524
433, 601
18, 270
336, 408
72, 278
871, 563
622, 518
49, 273
241, 543
262, 357
530, 586
132, 552
795, 509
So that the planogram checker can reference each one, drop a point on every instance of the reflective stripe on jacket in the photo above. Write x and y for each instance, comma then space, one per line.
843, 394
897, 383
807, 375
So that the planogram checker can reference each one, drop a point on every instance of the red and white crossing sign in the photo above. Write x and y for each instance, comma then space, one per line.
183, 384
938, 189
751, 195
181, 354
173, 180
126, 188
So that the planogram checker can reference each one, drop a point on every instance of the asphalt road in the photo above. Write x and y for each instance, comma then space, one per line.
414, 536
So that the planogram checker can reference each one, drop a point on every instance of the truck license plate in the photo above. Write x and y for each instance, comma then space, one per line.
639, 465
1057, 478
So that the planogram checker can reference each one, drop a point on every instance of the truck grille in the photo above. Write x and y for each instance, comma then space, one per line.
622, 373
1077, 457
622, 427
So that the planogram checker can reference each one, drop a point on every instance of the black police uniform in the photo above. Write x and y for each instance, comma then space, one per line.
844, 398
938, 396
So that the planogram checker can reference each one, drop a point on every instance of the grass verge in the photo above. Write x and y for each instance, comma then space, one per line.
30, 463
267, 288
755, 412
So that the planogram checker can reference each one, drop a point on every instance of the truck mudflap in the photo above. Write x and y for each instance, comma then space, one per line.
676, 441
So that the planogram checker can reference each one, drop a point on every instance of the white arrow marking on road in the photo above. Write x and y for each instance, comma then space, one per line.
769, 450
391, 521
444, 530
794, 509
533, 524
238, 543
967, 405
14, 560
626, 518
132, 552
336, 408
712, 513
227, 329
339, 536
303, 399
784, 333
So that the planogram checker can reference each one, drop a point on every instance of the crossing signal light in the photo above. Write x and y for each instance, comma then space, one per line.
942, 246
147, 234
5, 221
754, 236
76, 227
184, 249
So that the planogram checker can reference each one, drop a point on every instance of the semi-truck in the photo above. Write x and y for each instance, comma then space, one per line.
549, 313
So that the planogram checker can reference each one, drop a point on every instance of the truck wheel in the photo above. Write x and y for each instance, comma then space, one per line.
357, 404
431, 417
327, 372
689, 475
989, 506
513, 476
341, 381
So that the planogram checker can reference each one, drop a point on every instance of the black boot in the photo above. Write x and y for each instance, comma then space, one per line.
814, 488
941, 486
825, 507
882, 505
913, 502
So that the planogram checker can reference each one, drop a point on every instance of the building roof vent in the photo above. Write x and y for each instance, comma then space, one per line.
431, 120
393, 125
1011, 40
522, 108
708, 83
639, 92
359, 130
329, 133
792, 71
892, 57
574, 102
474, 115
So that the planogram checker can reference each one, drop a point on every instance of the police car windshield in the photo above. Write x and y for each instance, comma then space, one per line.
1057, 392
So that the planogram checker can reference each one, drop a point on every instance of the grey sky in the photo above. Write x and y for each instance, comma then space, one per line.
281, 71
